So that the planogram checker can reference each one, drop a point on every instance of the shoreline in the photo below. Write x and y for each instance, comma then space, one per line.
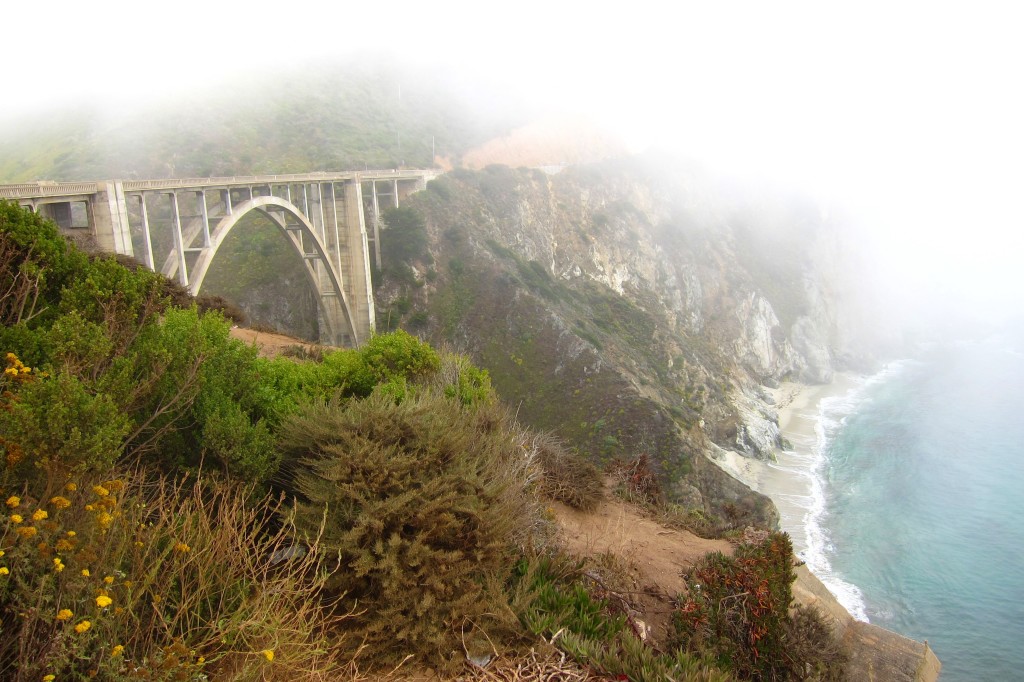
789, 480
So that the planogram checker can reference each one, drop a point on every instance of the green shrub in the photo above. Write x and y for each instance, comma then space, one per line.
737, 609
405, 237
557, 601
816, 652
457, 377
425, 502
554, 603
57, 424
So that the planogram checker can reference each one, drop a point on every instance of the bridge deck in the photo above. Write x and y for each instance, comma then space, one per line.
55, 189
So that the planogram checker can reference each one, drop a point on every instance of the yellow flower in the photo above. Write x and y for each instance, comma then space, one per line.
85, 572
64, 614
2, 552
100, 490
71, 487
13, 501
201, 660
182, 547
58, 565
16, 518
49, 678
116, 651
104, 601
39, 515
104, 519
60, 502
72, 533
27, 531
108, 579
63, 546
268, 654
89, 507
114, 486
83, 626
4, 571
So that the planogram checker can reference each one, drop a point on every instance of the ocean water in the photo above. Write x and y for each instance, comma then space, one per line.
916, 515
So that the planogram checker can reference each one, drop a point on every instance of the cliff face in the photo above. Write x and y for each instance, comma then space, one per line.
628, 307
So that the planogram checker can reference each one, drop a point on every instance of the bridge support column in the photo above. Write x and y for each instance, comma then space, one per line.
354, 257
109, 219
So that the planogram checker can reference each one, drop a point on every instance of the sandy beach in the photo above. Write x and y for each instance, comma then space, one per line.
788, 480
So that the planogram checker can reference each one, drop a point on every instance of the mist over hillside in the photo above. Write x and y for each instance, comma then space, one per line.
372, 113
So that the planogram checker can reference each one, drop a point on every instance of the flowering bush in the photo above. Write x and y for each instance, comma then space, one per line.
113, 580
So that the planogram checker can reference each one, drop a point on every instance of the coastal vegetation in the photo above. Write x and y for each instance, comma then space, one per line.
176, 507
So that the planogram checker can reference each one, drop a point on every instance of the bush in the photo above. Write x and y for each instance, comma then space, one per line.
425, 502
566, 476
128, 579
637, 481
737, 609
555, 604
405, 237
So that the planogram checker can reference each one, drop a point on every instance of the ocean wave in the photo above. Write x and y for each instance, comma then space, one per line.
833, 413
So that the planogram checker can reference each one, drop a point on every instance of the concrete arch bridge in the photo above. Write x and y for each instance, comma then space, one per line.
176, 226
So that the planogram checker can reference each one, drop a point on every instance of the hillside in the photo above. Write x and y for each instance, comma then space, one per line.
375, 114
631, 307
178, 507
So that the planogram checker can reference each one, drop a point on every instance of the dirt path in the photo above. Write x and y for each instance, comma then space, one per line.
269, 343
653, 555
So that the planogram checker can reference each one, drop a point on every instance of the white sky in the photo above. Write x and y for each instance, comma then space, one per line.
911, 112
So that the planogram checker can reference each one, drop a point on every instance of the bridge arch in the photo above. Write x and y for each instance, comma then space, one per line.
325, 277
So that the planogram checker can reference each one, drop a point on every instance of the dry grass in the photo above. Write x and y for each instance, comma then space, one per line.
154, 579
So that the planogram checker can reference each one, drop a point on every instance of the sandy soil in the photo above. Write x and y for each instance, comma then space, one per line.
787, 480
269, 344
654, 557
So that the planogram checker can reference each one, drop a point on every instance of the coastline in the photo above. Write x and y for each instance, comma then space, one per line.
789, 480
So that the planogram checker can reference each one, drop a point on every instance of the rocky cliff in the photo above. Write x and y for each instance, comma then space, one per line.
632, 307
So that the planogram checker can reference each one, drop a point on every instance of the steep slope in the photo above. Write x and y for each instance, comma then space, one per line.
631, 307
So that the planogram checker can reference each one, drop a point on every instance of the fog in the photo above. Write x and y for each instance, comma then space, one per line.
906, 114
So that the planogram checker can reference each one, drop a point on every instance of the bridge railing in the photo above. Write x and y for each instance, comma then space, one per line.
47, 189
235, 180
52, 189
